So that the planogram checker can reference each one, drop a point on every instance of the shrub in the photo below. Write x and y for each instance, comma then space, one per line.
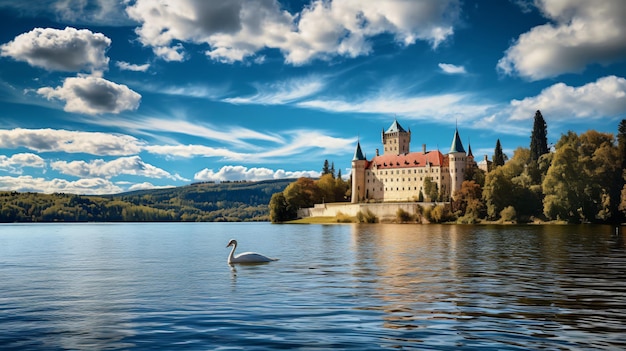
367, 217
508, 214
403, 216
343, 218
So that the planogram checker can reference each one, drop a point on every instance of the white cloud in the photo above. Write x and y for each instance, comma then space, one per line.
59, 140
583, 32
237, 29
147, 186
132, 165
452, 69
233, 173
69, 50
125, 66
603, 98
17, 162
93, 95
282, 92
92, 186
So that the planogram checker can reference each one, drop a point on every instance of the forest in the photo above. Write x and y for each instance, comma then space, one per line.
580, 179
200, 202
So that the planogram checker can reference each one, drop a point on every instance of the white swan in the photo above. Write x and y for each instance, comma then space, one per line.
246, 257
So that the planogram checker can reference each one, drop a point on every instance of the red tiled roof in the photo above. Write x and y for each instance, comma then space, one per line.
413, 159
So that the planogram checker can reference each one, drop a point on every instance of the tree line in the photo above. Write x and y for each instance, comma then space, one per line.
200, 202
581, 181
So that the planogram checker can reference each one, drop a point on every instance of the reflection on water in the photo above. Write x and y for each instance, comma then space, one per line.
168, 286
513, 285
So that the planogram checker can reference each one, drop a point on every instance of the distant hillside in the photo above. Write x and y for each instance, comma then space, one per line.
200, 202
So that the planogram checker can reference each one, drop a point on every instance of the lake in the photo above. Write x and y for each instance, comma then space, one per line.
362, 287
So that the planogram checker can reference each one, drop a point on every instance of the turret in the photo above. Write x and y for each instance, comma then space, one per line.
359, 162
457, 163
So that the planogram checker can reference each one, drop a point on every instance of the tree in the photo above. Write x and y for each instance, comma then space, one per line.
621, 145
431, 189
538, 138
583, 178
280, 210
497, 192
498, 155
326, 168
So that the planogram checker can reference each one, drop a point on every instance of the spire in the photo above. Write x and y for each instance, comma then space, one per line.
469, 148
457, 145
358, 154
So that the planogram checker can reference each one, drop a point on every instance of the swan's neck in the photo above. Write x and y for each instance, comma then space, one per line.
231, 257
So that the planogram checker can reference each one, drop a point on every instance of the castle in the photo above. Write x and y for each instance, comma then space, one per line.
399, 174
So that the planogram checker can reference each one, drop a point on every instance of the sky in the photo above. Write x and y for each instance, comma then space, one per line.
104, 97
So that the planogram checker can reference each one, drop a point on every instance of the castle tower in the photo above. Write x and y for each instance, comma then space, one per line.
396, 140
359, 162
457, 163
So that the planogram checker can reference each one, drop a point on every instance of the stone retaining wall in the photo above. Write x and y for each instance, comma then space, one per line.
384, 211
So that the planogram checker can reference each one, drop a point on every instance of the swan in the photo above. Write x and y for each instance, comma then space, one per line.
246, 257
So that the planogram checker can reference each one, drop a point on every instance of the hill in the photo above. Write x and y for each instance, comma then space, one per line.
199, 202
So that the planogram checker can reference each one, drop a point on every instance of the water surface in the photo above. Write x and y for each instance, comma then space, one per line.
361, 287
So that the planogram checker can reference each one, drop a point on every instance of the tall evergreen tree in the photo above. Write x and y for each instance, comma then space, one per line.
538, 138
498, 155
332, 169
326, 168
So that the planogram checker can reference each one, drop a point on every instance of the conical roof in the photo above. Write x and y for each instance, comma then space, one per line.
358, 154
457, 145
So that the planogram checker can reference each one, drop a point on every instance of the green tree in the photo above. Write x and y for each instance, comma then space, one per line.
498, 155
582, 178
497, 192
302, 193
280, 210
538, 138
326, 168
431, 189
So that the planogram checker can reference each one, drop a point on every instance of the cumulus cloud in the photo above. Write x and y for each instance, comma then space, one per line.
237, 29
582, 33
59, 140
92, 186
452, 69
69, 50
17, 162
233, 173
125, 66
132, 165
93, 95
148, 185
603, 98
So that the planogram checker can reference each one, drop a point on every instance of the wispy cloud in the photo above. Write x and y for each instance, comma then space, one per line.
282, 92
437, 108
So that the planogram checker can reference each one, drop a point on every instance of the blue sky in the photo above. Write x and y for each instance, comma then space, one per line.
100, 97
